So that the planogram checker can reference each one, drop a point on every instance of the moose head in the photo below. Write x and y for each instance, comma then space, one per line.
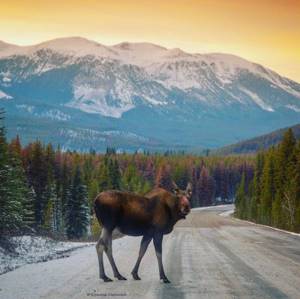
183, 197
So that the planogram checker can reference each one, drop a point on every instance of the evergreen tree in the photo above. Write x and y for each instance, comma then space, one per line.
77, 211
13, 188
195, 200
285, 160
50, 198
206, 187
163, 178
132, 181
255, 205
104, 178
181, 176
28, 207
296, 187
3, 144
240, 200
65, 186
38, 179
268, 189
114, 173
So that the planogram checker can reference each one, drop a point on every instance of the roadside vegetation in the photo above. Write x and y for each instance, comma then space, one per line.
272, 197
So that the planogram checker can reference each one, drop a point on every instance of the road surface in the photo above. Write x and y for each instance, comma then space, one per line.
206, 256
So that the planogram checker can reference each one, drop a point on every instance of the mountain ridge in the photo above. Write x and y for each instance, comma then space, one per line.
197, 100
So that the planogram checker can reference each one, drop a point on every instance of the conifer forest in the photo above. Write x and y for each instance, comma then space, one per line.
50, 191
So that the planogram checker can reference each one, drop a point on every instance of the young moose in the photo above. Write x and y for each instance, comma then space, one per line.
150, 216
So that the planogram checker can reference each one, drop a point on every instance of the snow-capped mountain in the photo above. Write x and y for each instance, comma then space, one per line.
165, 97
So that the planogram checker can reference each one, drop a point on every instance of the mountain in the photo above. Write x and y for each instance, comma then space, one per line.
81, 94
258, 143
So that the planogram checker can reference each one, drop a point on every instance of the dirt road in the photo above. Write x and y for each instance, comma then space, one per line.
206, 256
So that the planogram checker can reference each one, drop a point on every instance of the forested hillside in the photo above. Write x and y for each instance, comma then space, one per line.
273, 195
258, 143
52, 191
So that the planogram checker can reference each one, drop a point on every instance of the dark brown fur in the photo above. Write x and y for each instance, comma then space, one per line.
150, 216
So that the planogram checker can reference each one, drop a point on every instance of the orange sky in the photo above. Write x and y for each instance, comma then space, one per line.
264, 31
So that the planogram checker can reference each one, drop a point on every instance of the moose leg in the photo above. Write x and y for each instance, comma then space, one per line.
157, 240
108, 251
100, 247
144, 245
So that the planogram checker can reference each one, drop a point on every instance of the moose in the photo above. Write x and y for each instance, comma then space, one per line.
151, 216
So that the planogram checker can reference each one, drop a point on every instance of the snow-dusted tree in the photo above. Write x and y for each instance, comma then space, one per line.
28, 206
50, 198
12, 188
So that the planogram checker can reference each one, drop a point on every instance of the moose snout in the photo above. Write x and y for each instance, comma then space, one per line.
185, 210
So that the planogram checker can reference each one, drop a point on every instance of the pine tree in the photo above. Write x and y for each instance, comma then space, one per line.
38, 179
291, 190
104, 178
195, 183
206, 188
65, 185
114, 173
285, 159
180, 176
267, 189
50, 197
132, 181
240, 200
255, 205
77, 210
28, 207
296, 187
3, 144
163, 178
13, 187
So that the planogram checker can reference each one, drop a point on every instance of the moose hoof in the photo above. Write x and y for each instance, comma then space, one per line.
120, 277
165, 280
106, 279
135, 276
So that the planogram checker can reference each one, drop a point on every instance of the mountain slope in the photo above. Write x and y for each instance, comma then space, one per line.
258, 143
60, 89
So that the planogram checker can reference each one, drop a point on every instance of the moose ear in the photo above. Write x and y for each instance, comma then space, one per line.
189, 189
175, 188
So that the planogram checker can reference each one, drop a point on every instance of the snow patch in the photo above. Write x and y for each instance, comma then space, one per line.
82, 134
32, 249
5, 96
94, 100
259, 102
293, 107
55, 114
27, 108
6, 79
125, 134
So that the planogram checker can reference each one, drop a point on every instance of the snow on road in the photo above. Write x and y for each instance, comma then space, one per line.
206, 256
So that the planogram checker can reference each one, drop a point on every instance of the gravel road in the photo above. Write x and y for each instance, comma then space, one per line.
206, 256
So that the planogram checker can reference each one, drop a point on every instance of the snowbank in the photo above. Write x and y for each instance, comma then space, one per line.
32, 249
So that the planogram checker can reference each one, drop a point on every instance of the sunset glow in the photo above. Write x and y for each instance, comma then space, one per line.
264, 31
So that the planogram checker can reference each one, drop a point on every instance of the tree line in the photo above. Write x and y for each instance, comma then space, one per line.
52, 191
272, 197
